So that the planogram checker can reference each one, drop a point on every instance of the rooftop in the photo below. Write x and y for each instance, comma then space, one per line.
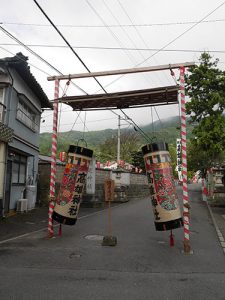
19, 63
120, 100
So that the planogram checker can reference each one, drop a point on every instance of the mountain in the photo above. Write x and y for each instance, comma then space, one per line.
167, 130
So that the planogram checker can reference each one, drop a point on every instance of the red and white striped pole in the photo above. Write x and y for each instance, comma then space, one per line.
53, 161
186, 205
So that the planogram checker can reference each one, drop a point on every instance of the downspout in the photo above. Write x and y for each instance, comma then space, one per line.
6, 148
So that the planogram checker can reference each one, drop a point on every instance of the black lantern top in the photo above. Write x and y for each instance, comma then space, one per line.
154, 147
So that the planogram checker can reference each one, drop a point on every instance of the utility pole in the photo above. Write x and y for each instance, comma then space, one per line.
118, 142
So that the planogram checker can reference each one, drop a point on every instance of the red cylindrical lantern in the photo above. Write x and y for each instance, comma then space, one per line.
72, 186
162, 186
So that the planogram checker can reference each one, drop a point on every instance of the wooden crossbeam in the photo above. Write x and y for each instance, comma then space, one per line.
122, 71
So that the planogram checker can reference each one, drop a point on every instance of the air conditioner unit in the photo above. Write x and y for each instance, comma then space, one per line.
21, 205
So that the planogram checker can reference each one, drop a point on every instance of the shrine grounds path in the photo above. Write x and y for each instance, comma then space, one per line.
142, 265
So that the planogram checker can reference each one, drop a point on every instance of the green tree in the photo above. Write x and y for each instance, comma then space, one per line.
138, 159
173, 155
205, 85
129, 142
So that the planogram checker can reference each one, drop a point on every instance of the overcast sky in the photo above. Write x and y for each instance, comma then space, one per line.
89, 25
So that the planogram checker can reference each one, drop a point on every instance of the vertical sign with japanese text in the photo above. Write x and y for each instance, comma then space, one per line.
90, 183
179, 159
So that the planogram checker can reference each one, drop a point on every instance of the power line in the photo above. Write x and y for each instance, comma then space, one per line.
36, 55
183, 33
118, 48
112, 25
110, 30
28, 49
35, 67
93, 121
17, 56
17, 40
139, 34
68, 44
130, 39
137, 31
20, 58
169, 43
147, 138
112, 33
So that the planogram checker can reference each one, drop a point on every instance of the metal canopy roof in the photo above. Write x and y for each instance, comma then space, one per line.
130, 99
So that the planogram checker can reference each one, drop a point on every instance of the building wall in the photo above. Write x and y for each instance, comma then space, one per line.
2, 167
18, 191
21, 130
25, 140
2, 173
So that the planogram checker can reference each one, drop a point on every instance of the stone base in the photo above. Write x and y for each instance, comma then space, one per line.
89, 201
109, 240
92, 204
218, 199
120, 194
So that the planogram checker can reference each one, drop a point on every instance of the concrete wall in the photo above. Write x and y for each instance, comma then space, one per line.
216, 192
138, 185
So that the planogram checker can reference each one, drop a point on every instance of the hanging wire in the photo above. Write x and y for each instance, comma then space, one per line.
85, 115
36, 55
137, 128
63, 94
141, 38
152, 121
161, 126
154, 137
179, 108
60, 111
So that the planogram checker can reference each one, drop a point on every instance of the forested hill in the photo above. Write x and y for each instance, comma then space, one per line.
167, 129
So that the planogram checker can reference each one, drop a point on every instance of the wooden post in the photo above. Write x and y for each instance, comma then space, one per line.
109, 186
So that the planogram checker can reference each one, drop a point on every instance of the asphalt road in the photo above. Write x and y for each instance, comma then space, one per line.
141, 266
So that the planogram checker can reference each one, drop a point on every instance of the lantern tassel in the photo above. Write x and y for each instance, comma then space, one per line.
60, 230
171, 239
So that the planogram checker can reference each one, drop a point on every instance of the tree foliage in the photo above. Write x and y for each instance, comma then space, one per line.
138, 160
205, 85
129, 142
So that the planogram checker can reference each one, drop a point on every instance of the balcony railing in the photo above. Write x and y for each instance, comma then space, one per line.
27, 120
6, 133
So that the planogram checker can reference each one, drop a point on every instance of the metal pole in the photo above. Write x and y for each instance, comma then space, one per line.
186, 205
118, 142
53, 161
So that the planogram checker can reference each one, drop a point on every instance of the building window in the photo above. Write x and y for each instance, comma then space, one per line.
27, 116
1, 95
19, 169
2, 106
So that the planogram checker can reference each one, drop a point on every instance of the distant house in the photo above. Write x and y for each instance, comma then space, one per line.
21, 103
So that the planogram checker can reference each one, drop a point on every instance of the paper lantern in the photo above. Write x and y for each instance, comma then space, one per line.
72, 186
162, 187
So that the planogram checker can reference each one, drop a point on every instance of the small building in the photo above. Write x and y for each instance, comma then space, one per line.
22, 101
43, 182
